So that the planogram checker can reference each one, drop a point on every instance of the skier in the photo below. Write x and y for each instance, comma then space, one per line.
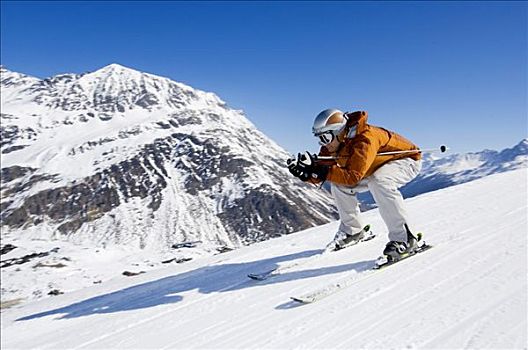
353, 145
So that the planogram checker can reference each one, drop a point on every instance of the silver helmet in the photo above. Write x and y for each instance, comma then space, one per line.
328, 124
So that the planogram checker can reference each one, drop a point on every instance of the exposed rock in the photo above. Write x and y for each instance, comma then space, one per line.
130, 274
186, 245
176, 260
56, 265
4, 249
222, 250
22, 260
55, 292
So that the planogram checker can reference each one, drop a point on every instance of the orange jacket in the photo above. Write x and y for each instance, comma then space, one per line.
357, 156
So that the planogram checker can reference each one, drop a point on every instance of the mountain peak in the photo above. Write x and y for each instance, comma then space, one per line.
10, 78
116, 72
116, 68
5, 70
520, 148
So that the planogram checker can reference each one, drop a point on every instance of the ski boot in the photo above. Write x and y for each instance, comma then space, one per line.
343, 240
395, 250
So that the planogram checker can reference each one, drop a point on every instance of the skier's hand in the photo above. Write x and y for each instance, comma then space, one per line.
306, 161
295, 169
305, 167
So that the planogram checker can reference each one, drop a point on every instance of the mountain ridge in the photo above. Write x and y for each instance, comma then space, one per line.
79, 149
455, 169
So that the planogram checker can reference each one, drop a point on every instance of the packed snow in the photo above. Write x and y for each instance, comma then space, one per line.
468, 291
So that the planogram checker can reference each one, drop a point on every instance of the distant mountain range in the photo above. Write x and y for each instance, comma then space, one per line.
440, 172
455, 169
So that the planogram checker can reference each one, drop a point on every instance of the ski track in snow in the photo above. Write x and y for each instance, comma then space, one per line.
468, 291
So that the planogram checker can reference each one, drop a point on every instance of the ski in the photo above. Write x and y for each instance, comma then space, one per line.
287, 267
335, 287
383, 261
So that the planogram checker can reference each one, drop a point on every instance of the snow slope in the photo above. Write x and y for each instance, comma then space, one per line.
469, 291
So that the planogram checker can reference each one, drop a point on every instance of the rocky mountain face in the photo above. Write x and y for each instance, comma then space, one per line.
118, 156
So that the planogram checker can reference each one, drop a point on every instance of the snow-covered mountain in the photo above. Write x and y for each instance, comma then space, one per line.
467, 292
443, 171
118, 156
455, 169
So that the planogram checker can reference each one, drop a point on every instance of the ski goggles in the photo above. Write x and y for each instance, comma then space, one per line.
328, 136
325, 138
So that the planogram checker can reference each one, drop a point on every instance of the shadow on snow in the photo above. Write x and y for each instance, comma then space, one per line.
207, 279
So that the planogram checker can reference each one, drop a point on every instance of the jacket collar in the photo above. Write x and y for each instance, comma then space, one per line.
359, 118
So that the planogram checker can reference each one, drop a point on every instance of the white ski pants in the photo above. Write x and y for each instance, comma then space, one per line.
384, 186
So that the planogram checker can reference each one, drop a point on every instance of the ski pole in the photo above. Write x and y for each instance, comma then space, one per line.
442, 149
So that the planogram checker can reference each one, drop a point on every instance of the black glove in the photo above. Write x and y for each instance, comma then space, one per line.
305, 167
295, 170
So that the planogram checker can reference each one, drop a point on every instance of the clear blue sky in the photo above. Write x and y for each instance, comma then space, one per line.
437, 72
